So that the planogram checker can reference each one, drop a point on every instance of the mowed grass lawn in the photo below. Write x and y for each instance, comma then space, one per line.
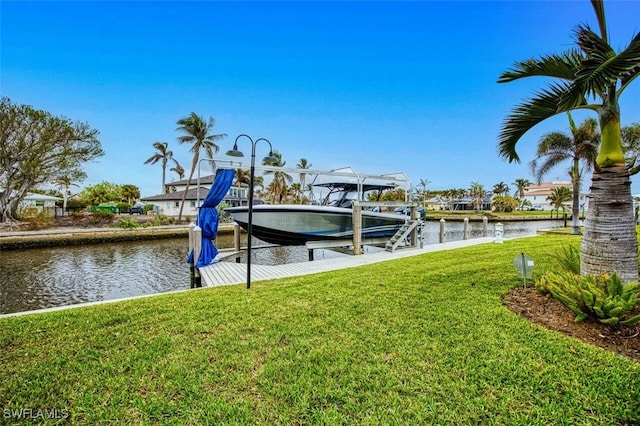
422, 340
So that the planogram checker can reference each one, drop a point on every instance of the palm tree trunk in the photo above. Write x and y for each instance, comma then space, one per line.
575, 206
610, 243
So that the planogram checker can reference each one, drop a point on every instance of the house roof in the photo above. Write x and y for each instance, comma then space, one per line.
192, 195
545, 188
204, 180
41, 197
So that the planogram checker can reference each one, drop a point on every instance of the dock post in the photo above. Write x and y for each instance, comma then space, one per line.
442, 222
310, 255
197, 247
357, 229
192, 267
414, 233
465, 231
237, 231
485, 220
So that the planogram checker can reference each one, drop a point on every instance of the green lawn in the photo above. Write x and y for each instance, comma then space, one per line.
423, 340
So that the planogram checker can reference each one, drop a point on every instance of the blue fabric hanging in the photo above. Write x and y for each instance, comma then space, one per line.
208, 217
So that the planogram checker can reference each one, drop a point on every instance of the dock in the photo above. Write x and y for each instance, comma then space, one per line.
230, 273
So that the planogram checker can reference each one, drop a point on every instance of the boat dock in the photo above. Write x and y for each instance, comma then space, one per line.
230, 273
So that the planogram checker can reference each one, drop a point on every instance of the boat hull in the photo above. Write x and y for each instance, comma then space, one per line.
299, 224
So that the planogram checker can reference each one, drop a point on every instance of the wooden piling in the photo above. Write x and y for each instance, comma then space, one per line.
357, 229
442, 222
465, 231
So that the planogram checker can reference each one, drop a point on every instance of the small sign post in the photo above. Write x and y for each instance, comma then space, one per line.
524, 266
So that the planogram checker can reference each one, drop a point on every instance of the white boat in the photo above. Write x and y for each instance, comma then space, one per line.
297, 224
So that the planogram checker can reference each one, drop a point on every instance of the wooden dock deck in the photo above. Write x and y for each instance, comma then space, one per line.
229, 273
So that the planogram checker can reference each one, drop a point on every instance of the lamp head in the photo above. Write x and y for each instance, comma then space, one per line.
234, 152
270, 159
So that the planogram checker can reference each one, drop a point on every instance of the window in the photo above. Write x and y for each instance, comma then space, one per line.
192, 203
176, 204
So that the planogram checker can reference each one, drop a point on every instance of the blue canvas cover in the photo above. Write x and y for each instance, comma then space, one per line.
208, 217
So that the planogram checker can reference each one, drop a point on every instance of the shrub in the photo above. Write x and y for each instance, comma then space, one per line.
36, 219
604, 297
127, 224
101, 217
123, 207
568, 258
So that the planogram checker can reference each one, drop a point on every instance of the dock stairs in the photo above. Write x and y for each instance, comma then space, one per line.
402, 234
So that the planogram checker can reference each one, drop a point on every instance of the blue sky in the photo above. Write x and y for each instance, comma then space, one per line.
379, 86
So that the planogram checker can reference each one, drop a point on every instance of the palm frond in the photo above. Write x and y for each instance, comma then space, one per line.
556, 66
527, 115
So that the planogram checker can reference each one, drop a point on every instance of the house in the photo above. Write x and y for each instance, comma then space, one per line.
40, 202
168, 204
537, 195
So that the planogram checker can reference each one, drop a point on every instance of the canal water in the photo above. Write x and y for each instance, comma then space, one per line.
57, 276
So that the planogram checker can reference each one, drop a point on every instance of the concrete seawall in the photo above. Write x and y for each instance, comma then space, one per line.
74, 236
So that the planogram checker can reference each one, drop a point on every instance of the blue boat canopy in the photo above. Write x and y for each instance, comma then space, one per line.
208, 217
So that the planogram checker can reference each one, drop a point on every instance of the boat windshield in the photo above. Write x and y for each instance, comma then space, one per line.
343, 194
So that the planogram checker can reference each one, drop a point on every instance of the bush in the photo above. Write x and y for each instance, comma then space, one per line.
568, 258
604, 297
127, 224
101, 217
123, 207
36, 219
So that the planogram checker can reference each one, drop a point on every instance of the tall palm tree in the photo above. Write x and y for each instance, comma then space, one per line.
242, 177
196, 132
163, 155
304, 165
579, 147
591, 77
278, 186
423, 183
521, 189
477, 194
65, 183
501, 188
178, 170
559, 196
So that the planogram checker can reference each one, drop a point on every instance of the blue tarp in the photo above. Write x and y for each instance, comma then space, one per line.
208, 217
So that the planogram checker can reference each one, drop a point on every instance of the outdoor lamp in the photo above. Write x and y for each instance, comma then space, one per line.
268, 159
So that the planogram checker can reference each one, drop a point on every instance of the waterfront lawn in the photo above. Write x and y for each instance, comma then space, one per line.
422, 340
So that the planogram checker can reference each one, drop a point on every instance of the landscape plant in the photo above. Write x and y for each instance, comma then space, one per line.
591, 77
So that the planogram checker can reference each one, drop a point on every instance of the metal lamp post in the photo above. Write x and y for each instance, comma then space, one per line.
270, 158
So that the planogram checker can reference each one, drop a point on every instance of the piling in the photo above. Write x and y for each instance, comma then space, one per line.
197, 247
237, 231
357, 229
465, 231
485, 221
442, 222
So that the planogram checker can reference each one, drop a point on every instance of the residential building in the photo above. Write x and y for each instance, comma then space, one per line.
537, 195
40, 202
168, 203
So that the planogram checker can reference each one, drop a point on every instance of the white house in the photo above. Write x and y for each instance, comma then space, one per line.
168, 204
40, 202
537, 195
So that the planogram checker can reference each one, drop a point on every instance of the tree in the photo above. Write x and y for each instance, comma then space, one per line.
579, 147
196, 132
242, 177
521, 189
631, 142
163, 155
38, 148
129, 192
101, 193
477, 194
65, 182
501, 189
591, 77
423, 183
503, 203
559, 196
278, 186
304, 165
178, 170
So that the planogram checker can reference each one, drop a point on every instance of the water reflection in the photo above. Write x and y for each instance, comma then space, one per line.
56, 276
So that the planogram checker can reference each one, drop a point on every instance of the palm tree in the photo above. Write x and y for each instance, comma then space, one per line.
501, 189
278, 186
163, 155
304, 165
423, 183
558, 197
196, 132
178, 170
242, 177
521, 189
477, 194
557, 147
591, 77
65, 182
